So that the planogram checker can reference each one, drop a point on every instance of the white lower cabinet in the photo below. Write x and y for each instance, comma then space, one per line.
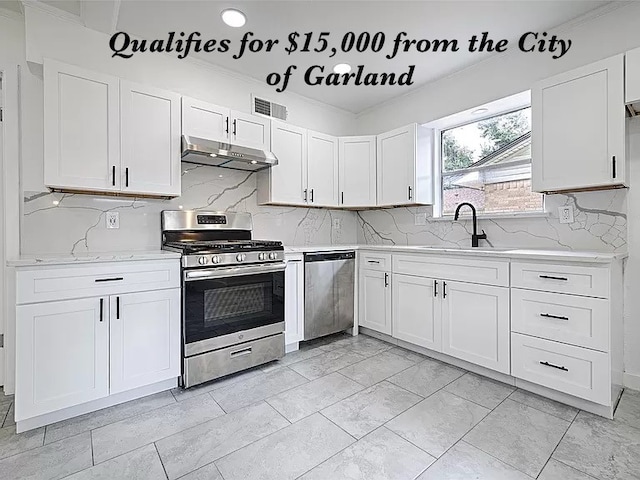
415, 317
144, 338
375, 301
79, 350
475, 324
62, 355
294, 300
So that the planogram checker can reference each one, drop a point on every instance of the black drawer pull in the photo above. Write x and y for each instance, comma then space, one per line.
557, 317
551, 277
547, 364
114, 279
373, 261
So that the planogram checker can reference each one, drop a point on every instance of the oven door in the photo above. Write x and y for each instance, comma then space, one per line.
225, 306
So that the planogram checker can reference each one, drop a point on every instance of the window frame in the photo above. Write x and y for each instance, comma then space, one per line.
438, 173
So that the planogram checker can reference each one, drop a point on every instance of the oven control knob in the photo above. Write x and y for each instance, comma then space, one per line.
202, 260
215, 259
262, 256
273, 255
240, 257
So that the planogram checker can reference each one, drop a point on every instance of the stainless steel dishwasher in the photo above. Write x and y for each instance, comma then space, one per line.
328, 293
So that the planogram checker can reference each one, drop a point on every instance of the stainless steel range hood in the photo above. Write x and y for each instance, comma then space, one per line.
219, 154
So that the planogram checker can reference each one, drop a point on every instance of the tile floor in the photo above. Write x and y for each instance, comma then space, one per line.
340, 408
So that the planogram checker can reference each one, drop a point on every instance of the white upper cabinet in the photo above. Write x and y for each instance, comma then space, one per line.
322, 169
285, 183
357, 171
106, 135
632, 76
150, 136
81, 129
213, 122
205, 120
250, 131
404, 166
578, 129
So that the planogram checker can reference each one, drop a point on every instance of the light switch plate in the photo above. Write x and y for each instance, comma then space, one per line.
565, 214
113, 220
420, 219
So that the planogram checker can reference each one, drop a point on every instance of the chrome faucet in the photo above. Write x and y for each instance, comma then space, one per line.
475, 237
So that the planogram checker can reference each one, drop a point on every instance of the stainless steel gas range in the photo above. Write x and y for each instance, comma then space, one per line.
232, 293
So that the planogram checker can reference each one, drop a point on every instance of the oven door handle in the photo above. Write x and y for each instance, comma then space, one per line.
193, 275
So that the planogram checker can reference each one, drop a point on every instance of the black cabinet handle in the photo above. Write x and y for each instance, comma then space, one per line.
558, 317
550, 277
101, 307
312, 195
342, 197
234, 127
304, 194
435, 288
117, 308
113, 176
444, 289
614, 166
126, 177
386, 279
409, 193
547, 364
227, 122
112, 279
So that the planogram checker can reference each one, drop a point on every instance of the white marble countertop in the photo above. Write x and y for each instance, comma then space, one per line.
45, 260
509, 253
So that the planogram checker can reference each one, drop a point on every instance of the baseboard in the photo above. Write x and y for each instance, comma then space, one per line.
76, 410
631, 381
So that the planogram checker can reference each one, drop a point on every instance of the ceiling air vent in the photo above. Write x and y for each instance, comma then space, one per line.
269, 109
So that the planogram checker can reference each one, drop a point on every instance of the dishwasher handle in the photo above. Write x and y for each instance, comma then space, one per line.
328, 256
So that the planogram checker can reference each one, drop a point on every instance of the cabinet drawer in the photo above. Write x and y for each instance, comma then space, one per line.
548, 277
564, 318
462, 269
574, 370
48, 284
375, 261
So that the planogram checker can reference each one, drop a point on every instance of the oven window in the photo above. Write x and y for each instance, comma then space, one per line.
221, 306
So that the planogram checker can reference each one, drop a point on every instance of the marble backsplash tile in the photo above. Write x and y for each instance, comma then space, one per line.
600, 224
57, 223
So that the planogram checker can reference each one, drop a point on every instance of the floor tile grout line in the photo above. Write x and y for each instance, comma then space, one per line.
161, 462
93, 460
543, 411
491, 409
574, 468
39, 446
386, 378
557, 445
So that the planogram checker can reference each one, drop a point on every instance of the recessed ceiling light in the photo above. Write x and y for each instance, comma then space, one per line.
213, 155
254, 161
233, 18
479, 111
342, 68
56, 202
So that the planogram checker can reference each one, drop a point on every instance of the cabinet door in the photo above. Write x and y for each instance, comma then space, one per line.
415, 318
475, 324
145, 338
322, 173
250, 131
205, 120
578, 128
289, 176
62, 355
81, 128
150, 135
294, 302
374, 305
632, 76
357, 172
396, 155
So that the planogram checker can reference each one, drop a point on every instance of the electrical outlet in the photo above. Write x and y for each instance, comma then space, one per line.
565, 214
113, 220
420, 219
336, 224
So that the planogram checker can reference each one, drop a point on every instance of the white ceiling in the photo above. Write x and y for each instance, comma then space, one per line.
276, 19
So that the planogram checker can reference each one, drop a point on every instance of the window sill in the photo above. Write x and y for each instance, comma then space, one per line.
494, 216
